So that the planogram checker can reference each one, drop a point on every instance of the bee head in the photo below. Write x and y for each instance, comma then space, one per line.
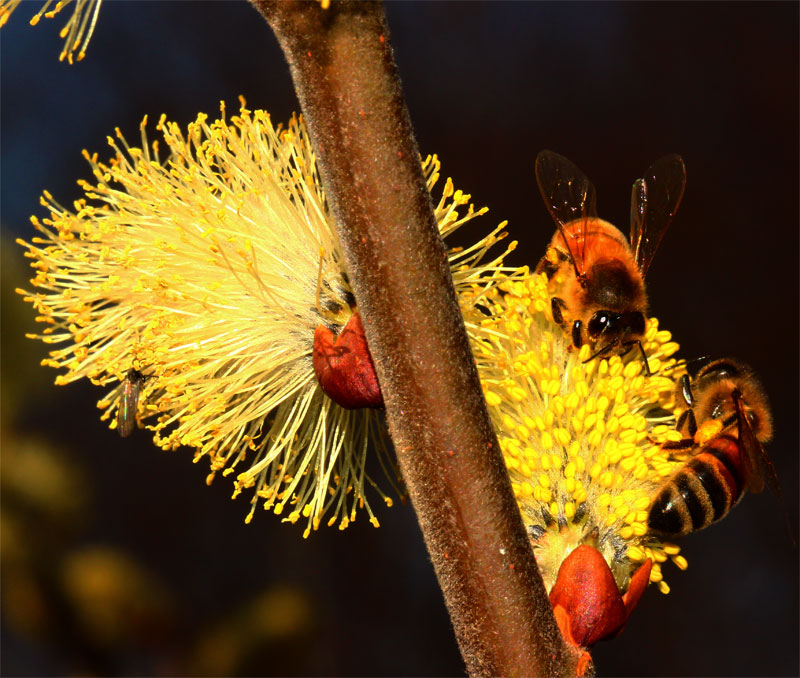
618, 325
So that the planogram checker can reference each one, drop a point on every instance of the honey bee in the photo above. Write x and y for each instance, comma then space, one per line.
599, 297
129, 400
728, 419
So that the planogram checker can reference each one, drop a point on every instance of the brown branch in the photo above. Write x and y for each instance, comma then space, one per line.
346, 80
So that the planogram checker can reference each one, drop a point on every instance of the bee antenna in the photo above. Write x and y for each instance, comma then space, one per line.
698, 363
685, 363
629, 345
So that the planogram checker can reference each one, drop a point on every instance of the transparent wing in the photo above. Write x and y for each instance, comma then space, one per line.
638, 211
757, 465
654, 201
569, 196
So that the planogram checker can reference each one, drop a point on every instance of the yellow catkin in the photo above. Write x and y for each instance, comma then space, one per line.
593, 440
165, 263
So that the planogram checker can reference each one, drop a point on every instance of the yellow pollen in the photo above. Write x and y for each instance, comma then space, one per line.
164, 264
595, 459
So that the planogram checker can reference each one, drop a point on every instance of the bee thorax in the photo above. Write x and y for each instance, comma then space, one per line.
613, 287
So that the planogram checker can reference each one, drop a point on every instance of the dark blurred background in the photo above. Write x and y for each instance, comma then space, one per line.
118, 560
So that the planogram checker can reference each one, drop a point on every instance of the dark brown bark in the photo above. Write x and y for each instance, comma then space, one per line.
346, 80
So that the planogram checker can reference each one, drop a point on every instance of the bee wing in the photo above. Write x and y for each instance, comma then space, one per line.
757, 465
569, 195
654, 201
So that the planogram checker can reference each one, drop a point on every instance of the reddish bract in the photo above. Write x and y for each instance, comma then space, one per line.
586, 601
344, 368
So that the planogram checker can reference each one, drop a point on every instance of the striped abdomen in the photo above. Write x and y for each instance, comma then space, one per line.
701, 492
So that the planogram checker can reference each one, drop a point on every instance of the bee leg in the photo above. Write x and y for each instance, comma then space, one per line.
731, 420
681, 444
636, 342
599, 352
688, 419
557, 305
576, 335
686, 424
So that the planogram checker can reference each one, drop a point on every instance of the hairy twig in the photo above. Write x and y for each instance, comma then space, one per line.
346, 79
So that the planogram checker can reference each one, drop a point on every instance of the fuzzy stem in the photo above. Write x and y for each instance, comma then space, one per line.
346, 80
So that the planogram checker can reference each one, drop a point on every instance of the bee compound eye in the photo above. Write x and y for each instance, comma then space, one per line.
636, 322
598, 323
